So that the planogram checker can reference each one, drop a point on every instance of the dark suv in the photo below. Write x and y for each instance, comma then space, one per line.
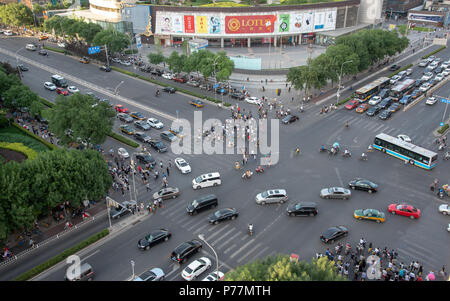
385, 103
146, 158
302, 209
237, 95
185, 250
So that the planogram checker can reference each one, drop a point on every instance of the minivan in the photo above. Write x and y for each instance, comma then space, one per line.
203, 203
86, 273
31, 47
206, 180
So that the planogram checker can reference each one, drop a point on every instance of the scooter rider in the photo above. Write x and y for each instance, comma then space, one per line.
363, 156
250, 229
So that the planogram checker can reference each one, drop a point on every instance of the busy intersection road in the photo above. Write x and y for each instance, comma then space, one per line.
303, 176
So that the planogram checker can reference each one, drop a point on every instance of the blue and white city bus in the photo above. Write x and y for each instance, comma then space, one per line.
400, 149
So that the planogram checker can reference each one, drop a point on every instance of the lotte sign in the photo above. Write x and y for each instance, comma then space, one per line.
250, 24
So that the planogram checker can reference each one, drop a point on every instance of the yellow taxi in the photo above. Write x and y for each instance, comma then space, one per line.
84, 60
197, 103
369, 214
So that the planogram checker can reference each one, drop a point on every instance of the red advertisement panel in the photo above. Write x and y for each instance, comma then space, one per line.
189, 24
250, 24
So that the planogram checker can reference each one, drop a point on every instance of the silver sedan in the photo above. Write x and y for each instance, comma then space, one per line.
335, 193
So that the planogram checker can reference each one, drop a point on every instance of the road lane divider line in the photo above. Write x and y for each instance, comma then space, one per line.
248, 253
242, 248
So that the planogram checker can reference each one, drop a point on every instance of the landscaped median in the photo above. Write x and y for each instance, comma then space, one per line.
443, 129
19, 147
58, 258
434, 52
63, 51
344, 101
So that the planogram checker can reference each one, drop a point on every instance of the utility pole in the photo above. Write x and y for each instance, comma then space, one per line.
339, 85
107, 57
310, 50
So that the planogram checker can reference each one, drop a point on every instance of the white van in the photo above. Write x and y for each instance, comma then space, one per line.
207, 180
31, 47
8, 33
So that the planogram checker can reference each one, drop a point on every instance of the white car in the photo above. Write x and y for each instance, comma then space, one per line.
61, 44
123, 152
8, 33
448, 228
73, 89
444, 209
182, 165
213, 276
195, 268
425, 87
427, 76
125, 63
253, 100
155, 123
445, 65
431, 100
423, 63
433, 65
395, 79
409, 71
374, 100
50, 86
446, 71
167, 75
439, 77
404, 138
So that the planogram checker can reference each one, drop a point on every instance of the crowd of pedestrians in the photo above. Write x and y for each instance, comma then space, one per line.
368, 262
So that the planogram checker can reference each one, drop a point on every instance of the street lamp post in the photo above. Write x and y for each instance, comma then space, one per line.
340, 77
215, 78
202, 237
132, 268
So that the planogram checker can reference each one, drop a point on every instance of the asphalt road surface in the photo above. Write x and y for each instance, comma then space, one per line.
425, 239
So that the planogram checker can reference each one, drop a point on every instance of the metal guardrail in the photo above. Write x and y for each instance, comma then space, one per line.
22, 254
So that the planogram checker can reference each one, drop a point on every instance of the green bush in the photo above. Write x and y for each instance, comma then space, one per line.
4, 122
43, 141
131, 51
58, 258
434, 52
227, 104
400, 70
19, 147
443, 128
124, 71
123, 139
344, 101
46, 102
54, 49
14, 134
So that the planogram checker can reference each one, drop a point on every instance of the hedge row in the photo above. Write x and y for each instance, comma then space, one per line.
46, 102
58, 258
434, 52
63, 51
344, 101
40, 139
123, 139
400, 70
443, 128
19, 147
131, 51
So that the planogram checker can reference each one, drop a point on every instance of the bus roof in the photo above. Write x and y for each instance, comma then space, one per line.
407, 145
404, 84
372, 85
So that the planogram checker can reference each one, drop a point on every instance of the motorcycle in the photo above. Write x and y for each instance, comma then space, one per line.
348, 248
441, 193
250, 229
363, 157
447, 156
259, 169
247, 174
321, 150
346, 154
157, 93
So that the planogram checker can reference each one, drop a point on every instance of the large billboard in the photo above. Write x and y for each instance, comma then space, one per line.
425, 18
250, 24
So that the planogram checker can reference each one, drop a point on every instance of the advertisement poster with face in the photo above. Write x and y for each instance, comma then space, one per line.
319, 21
214, 24
308, 22
330, 19
202, 26
177, 24
296, 22
166, 24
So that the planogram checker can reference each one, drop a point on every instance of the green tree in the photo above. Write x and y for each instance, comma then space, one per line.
16, 14
38, 9
36, 108
7, 81
156, 58
176, 62
19, 96
89, 30
116, 41
87, 119
280, 268
224, 66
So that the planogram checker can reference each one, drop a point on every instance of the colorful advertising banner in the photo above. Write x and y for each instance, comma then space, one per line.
250, 24
296, 22
307, 22
202, 24
284, 23
319, 21
189, 24
214, 24
177, 24
426, 18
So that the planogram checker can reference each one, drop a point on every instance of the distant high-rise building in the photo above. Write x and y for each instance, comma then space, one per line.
401, 7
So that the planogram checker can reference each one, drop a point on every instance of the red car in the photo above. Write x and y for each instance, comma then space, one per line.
121, 109
351, 104
180, 79
405, 210
62, 91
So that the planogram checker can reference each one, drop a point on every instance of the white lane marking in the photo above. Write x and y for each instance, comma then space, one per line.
228, 249
260, 252
242, 248
218, 232
228, 240
249, 252
92, 254
214, 242
201, 228
89, 85
339, 177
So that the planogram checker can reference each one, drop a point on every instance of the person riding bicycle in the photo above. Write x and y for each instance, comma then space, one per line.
347, 153
157, 92
363, 156
322, 147
369, 148
346, 124
297, 150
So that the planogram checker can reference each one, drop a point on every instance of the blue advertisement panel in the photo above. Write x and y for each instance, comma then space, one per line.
425, 18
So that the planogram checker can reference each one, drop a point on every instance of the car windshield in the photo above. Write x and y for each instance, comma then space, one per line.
198, 179
194, 203
297, 207
265, 194
188, 270
183, 164
149, 237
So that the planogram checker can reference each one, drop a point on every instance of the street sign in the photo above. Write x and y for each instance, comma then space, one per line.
95, 49
445, 100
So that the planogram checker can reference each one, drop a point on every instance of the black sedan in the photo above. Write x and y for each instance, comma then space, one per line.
22, 67
385, 115
363, 184
146, 158
105, 68
170, 90
222, 214
43, 52
237, 95
289, 119
372, 111
154, 238
394, 67
158, 146
333, 233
